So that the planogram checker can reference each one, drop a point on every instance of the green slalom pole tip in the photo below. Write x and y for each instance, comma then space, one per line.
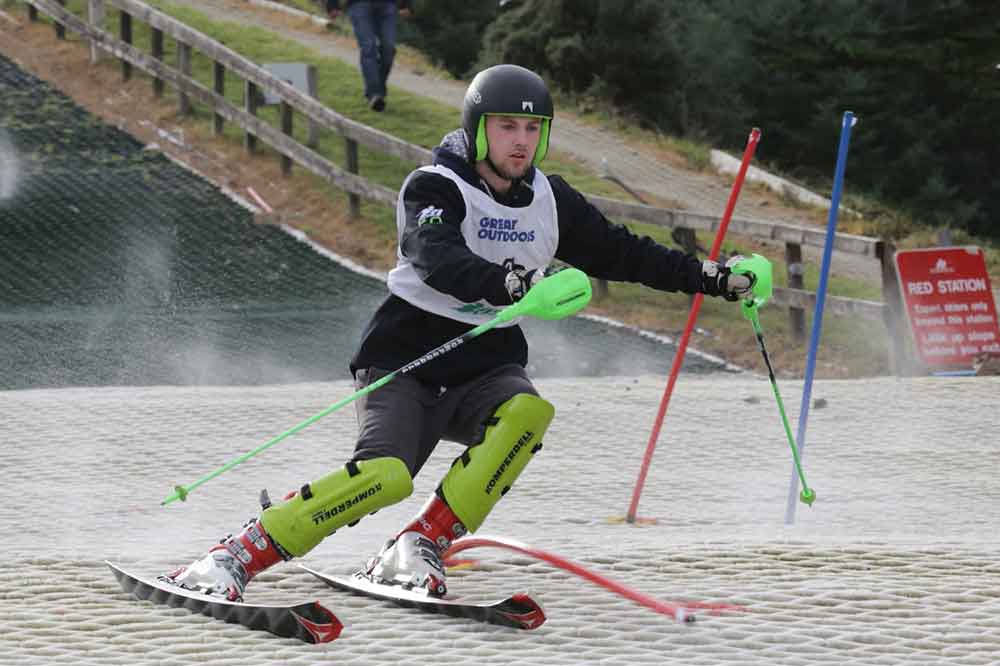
808, 496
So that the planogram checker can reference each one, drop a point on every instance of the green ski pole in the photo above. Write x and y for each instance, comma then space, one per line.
556, 296
761, 292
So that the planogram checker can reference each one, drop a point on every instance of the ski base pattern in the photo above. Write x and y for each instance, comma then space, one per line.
309, 622
518, 610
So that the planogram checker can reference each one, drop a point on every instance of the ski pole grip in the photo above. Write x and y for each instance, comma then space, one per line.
557, 296
763, 286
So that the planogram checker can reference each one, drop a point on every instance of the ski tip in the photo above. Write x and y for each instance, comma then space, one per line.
117, 571
323, 626
526, 612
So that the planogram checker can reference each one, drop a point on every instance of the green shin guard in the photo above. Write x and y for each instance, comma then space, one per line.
340, 498
485, 472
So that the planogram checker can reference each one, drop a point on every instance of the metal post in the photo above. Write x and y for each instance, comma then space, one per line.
894, 315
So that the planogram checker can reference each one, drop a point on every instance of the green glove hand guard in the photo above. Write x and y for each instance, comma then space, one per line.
557, 296
763, 286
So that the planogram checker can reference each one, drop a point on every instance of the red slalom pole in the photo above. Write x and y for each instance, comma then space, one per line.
680, 611
692, 318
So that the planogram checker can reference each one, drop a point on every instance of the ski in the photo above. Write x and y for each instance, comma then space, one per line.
518, 610
309, 622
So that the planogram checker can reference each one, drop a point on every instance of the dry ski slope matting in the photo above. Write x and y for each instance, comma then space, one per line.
896, 563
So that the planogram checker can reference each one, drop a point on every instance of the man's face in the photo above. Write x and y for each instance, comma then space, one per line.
512, 140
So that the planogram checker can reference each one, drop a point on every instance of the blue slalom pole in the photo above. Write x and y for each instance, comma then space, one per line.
831, 227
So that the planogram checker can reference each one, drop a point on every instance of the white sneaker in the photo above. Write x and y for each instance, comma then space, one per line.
412, 561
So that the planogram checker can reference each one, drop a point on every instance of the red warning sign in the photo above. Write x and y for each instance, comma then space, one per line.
949, 303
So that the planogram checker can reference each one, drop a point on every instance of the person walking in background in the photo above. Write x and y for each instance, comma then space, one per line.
374, 23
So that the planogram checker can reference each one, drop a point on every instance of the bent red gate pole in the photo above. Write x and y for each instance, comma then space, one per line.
692, 318
682, 611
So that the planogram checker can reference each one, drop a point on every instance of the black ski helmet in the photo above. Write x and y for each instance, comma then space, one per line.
506, 90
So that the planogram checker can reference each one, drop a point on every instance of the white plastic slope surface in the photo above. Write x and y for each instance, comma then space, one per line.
896, 563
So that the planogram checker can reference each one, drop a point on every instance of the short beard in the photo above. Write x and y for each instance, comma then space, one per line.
504, 173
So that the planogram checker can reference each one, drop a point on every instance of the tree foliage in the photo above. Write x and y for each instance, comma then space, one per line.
590, 47
922, 78
449, 31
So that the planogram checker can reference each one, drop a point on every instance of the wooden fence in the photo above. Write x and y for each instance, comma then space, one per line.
256, 80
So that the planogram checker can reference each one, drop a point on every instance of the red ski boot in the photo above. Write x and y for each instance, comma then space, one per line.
413, 558
230, 565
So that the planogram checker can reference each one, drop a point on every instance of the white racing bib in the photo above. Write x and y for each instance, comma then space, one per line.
512, 237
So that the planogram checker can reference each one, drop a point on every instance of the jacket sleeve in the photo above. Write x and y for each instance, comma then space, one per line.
432, 241
590, 242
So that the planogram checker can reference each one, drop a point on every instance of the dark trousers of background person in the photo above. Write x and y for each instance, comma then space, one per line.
375, 29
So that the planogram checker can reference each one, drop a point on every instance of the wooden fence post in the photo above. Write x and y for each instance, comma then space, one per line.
156, 48
287, 120
60, 28
250, 106
796, 271
184, 65
688, 240
599, 289
219, 85
312, 139
125, 34
352, 166
96, 19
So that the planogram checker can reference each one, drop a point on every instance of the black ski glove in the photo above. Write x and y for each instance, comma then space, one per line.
519, 281
719, 280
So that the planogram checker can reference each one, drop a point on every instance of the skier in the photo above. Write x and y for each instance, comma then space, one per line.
476, 231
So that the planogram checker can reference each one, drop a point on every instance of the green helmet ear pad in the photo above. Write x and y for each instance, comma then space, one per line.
483, 145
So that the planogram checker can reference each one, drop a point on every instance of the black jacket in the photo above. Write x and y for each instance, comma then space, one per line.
400, 332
